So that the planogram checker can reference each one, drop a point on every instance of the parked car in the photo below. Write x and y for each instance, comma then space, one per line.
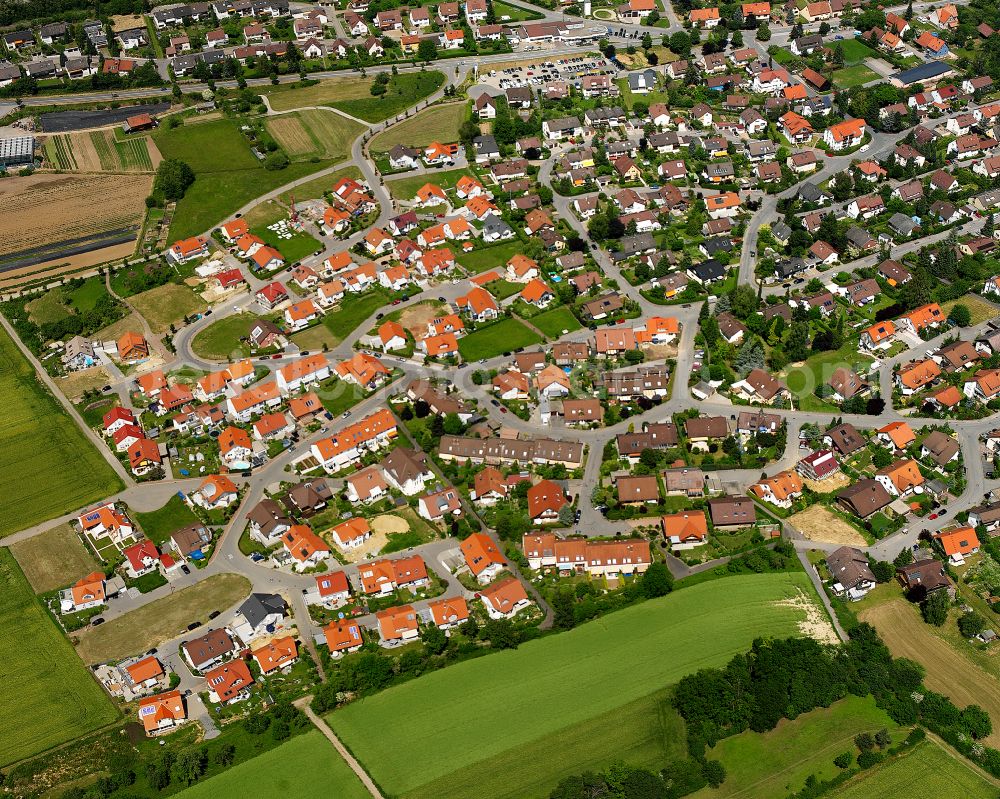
96, 620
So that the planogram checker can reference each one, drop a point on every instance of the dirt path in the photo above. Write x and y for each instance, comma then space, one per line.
303, 705
948, 671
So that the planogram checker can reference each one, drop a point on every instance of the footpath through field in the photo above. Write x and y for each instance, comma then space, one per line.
303, 705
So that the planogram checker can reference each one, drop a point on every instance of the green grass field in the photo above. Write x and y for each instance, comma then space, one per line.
510, 13
855, 51
227, 174
403, 91
159, 524
480, 260
59, 302
167, 305
818, 369
776, 763
302, 768
980, 309
293, 249
317, 187
553, 323
54, 559
503, 336
407, 188
927, 772
346, 318
437, 123
439, 720
46, 463
47, 696
849, 77
220, 341
314, 134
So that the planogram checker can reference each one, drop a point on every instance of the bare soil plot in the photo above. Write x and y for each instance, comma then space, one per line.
75, 384
160, 620
166, 305
45, 215
830, 484
416, 317
947, 670
54, 559
820, 524
55, 267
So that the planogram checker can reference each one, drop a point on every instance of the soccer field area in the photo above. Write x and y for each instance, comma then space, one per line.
46, 695
307, 766
47, 465
497, 717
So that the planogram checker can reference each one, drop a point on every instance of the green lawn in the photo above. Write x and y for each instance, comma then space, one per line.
159, 524
819, 368
407, 188
221, 340
849, 77
60, 302
403, 91
980, 309
927, 772
510, 13
439, 720
553, 323
307, 766
47, 466
295, 248
855, 51
480, 260
503, 336
344, 320
777, 763
47, 695
227, 176
437, 123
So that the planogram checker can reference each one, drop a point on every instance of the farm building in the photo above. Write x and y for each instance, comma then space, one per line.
18, 151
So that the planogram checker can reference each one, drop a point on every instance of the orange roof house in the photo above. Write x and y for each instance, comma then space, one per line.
132, 347
505, 598
899, 434
958, 543
145, 670
780, 489
900, 477
151, 383
304, 545
431, 194
352, 532
756, 9
162, 711
89, 590
440, 346
545, 499
924, 316
397, 624
229, 681
536, 292
482, 557
449, 612
342, 636
704, 17
276, 654
918, 374
363, 369
686, 529
947, 397
879, 334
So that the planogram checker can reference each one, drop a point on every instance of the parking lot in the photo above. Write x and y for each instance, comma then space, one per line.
570, 70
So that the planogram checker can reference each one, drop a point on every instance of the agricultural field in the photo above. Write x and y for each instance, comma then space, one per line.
776, 763
227, 176
503, 336
353, 95
926, 772
437, 123
654, 735
166, 305
159, 524
48, 481
553, 323
664, 639
159, 621
54, 559
407, 188
48, 216
101, 151
47, 696
948, 670
314, 134
266, 219
302, 768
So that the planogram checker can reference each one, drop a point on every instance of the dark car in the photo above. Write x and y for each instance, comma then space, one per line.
379, 315
194, 625
185, 569
494, 402
214, 614
152, 651
441, 299
106, 388
97, 620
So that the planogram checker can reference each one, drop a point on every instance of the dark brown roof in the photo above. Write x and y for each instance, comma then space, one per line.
928, 572
849, 567
732, 510
707, 427
213, 644
864, 498
846, 439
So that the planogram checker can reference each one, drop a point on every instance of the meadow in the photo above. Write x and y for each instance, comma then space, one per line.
482, 258
220, 340
927, 772
437, 123
353, 95
54, 559
298, 246
503, 336
304, 767
314, 134
227, 176
159, 524
47, 696
656, 643
776, 763
407, 188
167, 305
553, 323
42, 482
